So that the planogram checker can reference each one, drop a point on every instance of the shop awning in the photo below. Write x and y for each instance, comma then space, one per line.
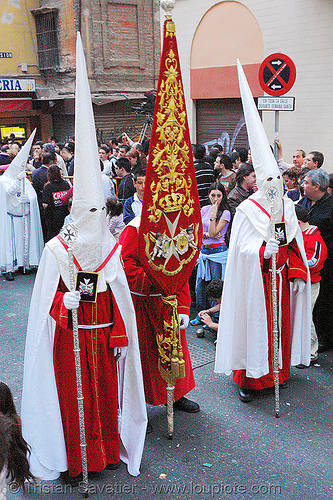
15, 104
98, 99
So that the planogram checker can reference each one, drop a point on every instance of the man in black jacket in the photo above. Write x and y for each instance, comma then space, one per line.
319, 204
39, 179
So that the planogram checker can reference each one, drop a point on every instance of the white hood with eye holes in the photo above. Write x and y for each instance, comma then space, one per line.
94, 241
267, 172
19, 163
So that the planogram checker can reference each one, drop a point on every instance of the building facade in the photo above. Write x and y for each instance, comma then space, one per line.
37, 64
212, 35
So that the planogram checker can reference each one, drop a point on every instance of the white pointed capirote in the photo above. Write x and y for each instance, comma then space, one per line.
263, 159
20, 161
88, 209
267, 172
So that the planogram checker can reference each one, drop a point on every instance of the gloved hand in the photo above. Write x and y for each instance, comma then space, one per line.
183, 321
21, 175
24, 198
298, 285
71, 300
272, 247
120, 352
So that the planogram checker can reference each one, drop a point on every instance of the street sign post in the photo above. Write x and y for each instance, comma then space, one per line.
277, 74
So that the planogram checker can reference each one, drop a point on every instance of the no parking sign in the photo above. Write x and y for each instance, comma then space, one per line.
277, 74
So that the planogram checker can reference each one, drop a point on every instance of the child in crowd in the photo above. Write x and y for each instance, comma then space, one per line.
133, 205
13, 453
114, 216
210, 317
316, 253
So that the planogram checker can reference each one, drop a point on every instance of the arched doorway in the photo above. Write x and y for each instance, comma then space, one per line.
226, 32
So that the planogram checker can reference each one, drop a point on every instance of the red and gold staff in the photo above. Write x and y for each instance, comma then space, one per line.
159, 256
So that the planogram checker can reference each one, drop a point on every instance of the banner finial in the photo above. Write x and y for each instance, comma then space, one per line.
167, 5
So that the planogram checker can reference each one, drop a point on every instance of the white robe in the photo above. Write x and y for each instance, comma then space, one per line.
242, 341
41, 418
12, 225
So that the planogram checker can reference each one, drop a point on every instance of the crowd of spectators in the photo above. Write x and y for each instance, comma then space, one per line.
123, 164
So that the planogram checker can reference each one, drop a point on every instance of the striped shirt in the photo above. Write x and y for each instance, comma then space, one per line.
204, 174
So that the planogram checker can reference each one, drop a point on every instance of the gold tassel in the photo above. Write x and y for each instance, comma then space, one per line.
174, 361
181, 362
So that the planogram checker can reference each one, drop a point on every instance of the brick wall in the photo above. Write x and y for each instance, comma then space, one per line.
123, 32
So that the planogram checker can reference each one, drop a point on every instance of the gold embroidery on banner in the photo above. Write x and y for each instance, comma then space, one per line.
172, 191
150, 239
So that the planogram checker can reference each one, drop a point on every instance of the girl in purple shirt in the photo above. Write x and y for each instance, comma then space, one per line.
213, 255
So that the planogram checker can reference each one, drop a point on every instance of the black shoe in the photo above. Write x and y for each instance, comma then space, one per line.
324, 347
244, 395
184, 404
9, 276
301, 366
23, 271
113, 466
284, 385
149, 429
72, 481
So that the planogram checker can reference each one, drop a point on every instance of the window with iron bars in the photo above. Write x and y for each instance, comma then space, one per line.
47, 40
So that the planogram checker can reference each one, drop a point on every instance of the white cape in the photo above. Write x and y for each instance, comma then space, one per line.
242, 341
41, 418
11, 227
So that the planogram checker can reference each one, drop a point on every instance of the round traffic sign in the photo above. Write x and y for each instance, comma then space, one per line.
277, 74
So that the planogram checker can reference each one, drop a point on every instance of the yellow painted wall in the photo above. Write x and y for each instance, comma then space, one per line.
227, 31
18, 35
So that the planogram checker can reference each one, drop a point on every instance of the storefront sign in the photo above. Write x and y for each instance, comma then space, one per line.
6, 55
17, 85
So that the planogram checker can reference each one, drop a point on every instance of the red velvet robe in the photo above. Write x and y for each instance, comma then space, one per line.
99, 379
149, 310
288, 258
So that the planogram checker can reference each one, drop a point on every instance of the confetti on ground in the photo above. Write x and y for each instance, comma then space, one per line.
207, 465
163, 476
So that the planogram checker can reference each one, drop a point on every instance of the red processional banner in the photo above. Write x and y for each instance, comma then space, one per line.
171, 230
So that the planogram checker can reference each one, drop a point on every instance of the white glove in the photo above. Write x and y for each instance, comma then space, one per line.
183, 321
272, 247
72, 300
24, 198
22, 175
120, 352
298, 285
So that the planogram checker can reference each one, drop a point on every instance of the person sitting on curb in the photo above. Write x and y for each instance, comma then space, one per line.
210, 317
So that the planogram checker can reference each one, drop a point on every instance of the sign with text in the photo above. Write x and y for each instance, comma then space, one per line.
276, 103
277, 74
6, 55
17, 85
